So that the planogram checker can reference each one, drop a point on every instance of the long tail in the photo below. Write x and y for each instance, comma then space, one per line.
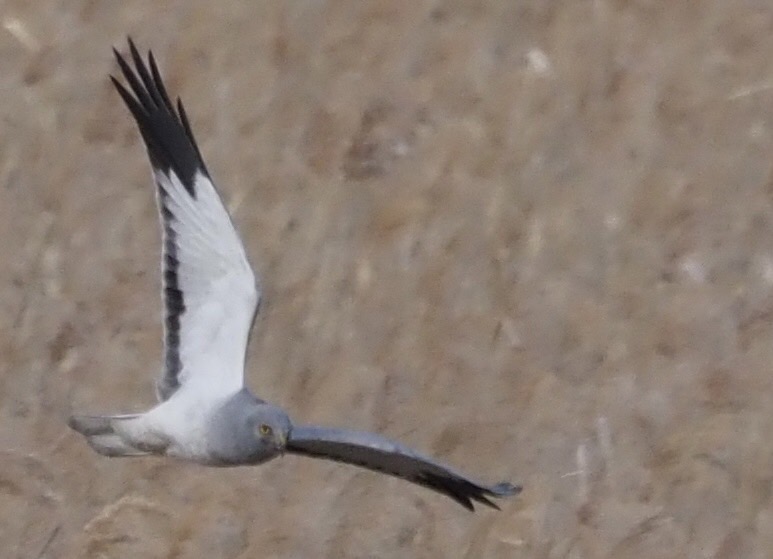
100, 433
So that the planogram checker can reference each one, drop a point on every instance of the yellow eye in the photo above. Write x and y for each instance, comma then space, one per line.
264, 430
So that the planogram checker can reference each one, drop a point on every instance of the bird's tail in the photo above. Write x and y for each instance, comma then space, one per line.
101, 434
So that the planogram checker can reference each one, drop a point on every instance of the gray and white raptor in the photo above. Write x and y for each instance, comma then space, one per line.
206, 414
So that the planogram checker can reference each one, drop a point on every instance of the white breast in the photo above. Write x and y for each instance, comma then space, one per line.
184, 420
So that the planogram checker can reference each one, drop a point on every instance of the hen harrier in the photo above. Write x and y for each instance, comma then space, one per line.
206, 414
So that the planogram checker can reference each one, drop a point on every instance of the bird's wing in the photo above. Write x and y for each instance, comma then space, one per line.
209, 290
377, 453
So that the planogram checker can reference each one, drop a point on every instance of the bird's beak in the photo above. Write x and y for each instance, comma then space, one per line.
281, 443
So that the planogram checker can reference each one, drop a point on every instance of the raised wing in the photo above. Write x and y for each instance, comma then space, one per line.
209, 290
377, 453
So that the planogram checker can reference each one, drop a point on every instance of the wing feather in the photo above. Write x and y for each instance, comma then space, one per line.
380, 454
209, 289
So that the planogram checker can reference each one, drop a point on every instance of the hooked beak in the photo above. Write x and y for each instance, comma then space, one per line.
281, 443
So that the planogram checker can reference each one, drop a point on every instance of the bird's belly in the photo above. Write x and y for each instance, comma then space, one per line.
185, 427
194, 455
186, 446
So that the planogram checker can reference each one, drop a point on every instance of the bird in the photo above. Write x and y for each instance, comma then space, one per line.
205, 413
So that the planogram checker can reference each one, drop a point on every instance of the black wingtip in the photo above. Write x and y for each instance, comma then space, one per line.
498, 491
167, 133
466, 492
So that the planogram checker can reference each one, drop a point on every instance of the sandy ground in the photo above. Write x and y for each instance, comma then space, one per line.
532, 238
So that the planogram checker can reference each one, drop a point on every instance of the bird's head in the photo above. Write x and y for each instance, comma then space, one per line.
270, 427
246, 430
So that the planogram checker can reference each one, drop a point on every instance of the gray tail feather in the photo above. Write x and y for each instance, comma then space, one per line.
113, 445
101, 435
90, 425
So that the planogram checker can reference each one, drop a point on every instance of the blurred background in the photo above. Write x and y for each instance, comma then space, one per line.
534, 239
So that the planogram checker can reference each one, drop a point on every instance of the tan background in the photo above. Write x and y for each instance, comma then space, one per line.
532, 238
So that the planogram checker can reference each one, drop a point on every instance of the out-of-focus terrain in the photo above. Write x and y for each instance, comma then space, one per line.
534, 239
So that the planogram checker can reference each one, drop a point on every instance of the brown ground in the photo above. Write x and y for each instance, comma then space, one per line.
532, 238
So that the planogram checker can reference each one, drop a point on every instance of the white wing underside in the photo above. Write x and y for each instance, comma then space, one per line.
210, 293
218, 287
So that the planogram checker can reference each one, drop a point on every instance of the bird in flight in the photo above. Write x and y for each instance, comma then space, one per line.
206, 414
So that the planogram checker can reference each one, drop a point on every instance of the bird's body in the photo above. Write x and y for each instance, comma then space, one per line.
206, 414
191, 427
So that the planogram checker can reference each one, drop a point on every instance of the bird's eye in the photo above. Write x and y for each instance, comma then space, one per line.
264, 430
